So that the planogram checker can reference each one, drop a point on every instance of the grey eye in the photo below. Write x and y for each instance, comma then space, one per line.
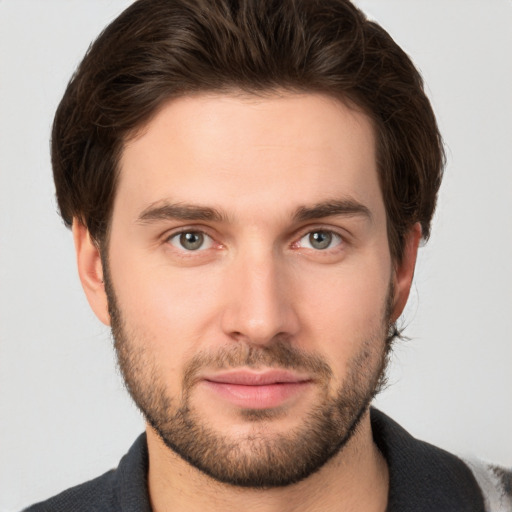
320, 240
191, 241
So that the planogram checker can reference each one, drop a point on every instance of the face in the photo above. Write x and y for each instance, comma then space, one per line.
249, 281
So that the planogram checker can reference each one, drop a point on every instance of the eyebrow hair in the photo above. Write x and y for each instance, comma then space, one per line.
346, 207
179, 211
182, 211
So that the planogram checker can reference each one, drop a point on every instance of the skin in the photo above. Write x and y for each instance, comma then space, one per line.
257, 161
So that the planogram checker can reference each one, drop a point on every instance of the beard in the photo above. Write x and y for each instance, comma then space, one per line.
260, 458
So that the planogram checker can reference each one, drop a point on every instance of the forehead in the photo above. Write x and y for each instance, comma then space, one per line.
235, 152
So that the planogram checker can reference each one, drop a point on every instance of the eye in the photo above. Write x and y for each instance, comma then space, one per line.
320, 240
191, 241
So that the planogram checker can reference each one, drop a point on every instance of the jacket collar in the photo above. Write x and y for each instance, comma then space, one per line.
423, 477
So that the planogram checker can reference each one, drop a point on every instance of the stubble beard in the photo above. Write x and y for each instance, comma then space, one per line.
259, 459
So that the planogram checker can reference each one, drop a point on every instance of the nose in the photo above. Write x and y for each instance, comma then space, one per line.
259, 305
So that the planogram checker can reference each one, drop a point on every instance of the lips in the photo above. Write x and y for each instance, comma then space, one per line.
257, 390
249, 378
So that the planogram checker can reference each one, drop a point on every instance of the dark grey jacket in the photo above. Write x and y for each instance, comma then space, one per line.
422, 478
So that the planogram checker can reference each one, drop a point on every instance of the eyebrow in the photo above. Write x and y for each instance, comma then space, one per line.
345, 207
180, 211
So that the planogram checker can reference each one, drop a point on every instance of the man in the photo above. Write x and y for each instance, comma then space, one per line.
247, 184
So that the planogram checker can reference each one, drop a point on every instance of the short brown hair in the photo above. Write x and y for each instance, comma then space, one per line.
160, 49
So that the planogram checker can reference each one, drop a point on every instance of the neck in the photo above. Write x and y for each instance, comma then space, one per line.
356, 479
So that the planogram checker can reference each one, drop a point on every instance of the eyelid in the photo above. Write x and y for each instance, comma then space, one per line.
175, 233
189, 228
337, 239
343, 234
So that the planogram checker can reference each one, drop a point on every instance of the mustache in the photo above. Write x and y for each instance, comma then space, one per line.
275, 355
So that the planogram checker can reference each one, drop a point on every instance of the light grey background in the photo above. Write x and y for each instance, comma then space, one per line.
64, 416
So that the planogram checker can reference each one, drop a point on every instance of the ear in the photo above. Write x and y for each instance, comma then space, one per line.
404, 271
90, 270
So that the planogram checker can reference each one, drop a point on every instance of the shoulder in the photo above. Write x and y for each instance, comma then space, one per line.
95, 495
495, 483
121, 489
425, 478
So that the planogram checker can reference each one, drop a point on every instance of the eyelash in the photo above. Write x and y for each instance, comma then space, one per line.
332, 236
179, 234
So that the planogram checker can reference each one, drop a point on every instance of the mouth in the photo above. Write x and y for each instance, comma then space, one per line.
264, 389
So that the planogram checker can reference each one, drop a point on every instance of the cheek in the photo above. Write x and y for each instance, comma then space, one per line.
168, 308
343, 308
